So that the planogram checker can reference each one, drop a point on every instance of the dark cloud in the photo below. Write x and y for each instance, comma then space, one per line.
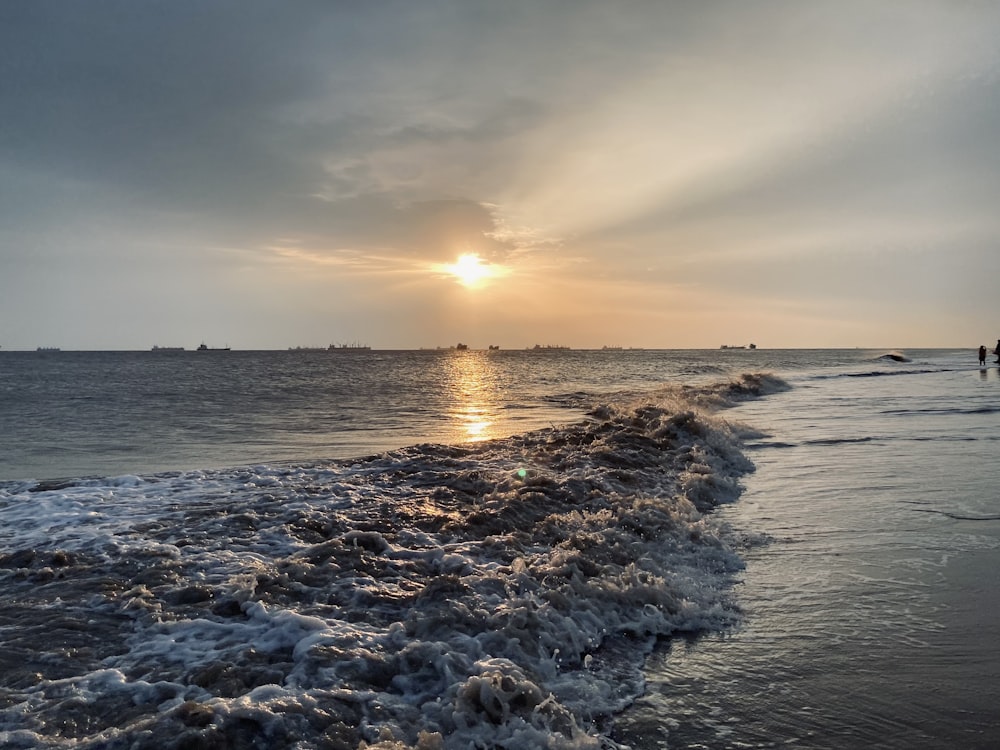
130, 92
235, 116
160, 109
168, 131
376, 225
445, 228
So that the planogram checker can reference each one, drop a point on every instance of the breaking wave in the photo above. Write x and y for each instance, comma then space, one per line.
497, 595
894, 356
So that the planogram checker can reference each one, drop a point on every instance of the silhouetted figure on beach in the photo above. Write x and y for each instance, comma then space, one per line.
997, 351
982, 355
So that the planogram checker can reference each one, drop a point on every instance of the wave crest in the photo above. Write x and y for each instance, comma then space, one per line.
893, 356
502, 594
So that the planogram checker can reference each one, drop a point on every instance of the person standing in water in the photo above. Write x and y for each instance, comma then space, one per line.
997, 351
982, 354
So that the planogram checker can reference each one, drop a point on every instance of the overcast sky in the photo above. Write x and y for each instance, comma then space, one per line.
653, 174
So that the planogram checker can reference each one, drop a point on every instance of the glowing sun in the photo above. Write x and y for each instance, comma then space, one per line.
470, 270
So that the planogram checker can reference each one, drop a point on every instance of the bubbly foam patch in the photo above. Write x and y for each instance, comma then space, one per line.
500, 595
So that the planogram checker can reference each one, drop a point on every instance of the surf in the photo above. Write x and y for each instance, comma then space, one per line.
499, 594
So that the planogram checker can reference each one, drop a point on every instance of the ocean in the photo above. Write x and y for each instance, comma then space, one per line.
505, 549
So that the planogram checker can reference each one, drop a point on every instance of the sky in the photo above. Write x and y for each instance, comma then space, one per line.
263, 175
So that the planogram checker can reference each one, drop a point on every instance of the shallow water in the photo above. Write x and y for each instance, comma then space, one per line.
872, 617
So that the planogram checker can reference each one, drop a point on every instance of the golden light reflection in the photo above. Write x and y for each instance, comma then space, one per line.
477, 424
474, 388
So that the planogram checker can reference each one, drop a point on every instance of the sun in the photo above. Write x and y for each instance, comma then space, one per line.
470, 270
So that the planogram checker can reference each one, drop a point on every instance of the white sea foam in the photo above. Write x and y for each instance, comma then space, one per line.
499, 595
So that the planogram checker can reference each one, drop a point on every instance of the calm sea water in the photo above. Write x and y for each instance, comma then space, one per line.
872, 615
503, 549
65, 414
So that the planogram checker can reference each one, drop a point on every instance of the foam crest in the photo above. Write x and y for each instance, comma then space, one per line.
502, 595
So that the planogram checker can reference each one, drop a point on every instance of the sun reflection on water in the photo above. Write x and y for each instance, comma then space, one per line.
475, 396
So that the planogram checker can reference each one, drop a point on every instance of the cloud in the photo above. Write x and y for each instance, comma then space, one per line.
730, 147
157, 94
